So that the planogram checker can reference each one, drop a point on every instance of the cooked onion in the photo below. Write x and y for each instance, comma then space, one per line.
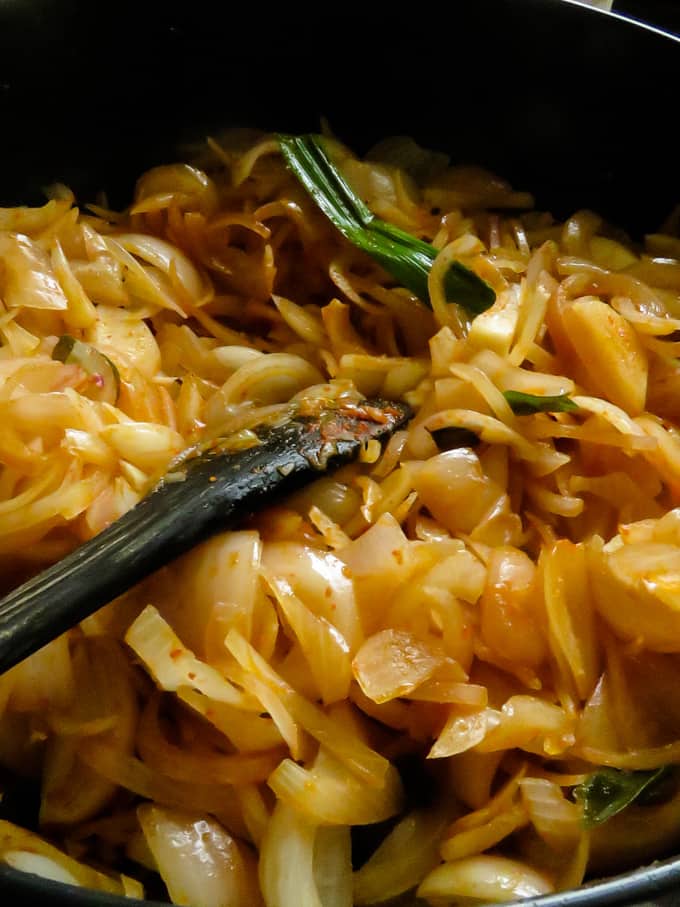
486, 604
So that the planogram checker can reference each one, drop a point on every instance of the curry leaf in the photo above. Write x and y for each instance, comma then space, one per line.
407, 258
527, 404
609, 791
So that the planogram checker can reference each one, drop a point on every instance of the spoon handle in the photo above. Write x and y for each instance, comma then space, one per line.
219, 489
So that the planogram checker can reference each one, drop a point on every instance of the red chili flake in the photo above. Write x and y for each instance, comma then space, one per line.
328, 592
398, 556
176, 653
371, 413
191, 675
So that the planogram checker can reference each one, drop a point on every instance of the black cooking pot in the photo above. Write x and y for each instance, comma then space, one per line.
572, 104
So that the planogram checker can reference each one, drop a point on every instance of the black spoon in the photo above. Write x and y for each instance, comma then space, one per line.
218, 489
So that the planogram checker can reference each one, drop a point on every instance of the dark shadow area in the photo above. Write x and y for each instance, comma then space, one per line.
92, 94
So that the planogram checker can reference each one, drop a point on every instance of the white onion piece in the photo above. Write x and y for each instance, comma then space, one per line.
393, 663
407, 854
140, 279
44, 679
333, 866
81, 312
39, 865
33, 220
482, 880
30, 853
221, 579
323, 646
380, 562
106, 706
180, 184
556, 819
146, 445
29, 280
327, 794
320, 580
174, 666
233, 357
165, 257
287, 861
336, 500
126, 339
308, 327
201, 864
272, 378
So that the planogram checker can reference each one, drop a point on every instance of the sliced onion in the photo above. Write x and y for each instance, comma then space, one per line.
221, 580
146, 445
556, 819
509, 616
380, 562
482, 880
344, 745
167, 258
319, 579
308, 327
247, 731
44, 679
182, 185
462, 732
133, 775
329, 795
81, 312
29, 853
403, 859
333, 866
174, 666
186, 764
571, 619
140, 280
475, 840
40, 865
324, 647
33, 220
29, 280
126, 339
71, 791
532, 724
272, 378
394, 663
454, 488
201, 864
287, 861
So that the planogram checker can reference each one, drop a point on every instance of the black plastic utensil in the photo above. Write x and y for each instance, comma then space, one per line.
217, 489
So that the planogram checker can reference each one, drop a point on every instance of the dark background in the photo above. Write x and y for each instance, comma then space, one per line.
664, 13
93, 93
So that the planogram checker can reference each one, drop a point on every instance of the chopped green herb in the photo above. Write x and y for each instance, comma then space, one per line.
405, 257
527, 404
609, 791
